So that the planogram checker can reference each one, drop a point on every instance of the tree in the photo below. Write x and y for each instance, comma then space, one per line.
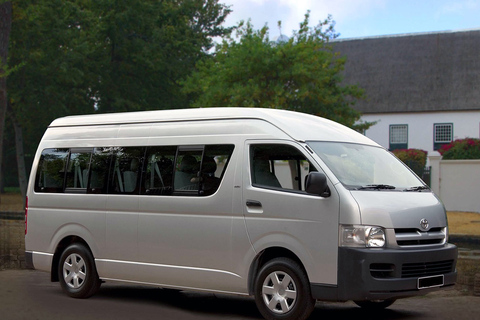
5, 27
87, 56
301, 74
145, 52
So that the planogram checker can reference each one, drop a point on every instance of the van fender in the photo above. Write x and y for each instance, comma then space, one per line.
74, 230
284, 241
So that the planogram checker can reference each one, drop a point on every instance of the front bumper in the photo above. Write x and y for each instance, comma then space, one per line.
370, 274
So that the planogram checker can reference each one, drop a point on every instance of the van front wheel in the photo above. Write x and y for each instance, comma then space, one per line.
77, 273
282, 291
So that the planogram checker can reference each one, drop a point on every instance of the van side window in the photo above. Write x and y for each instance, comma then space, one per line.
126, 163
154, 170
214, 164
279, 166
99, 168
187, 169
78, 169
158, 175
50, 171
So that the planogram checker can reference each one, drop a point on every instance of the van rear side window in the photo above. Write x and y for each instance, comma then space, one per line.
127, 166
99, 168
77, 169
153, 170
51, 170
158, 176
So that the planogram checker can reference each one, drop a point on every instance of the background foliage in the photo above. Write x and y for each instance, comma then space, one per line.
415, 159
69, 57
301, 73
95, 56
468, 148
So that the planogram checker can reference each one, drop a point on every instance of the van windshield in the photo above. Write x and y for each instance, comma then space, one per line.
362, 167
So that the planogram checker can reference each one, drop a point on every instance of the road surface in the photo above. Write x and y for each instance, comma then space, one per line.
29, 294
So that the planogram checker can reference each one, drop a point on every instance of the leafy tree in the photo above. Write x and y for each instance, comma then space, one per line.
145, 52
301, 74
5, 27
87, 56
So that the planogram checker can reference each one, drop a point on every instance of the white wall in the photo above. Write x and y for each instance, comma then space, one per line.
457, 183
420, 126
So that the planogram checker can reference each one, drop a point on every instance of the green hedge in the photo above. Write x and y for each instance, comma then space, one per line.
468, 148
415, 159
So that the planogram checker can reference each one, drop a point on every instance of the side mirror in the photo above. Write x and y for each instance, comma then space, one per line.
316, 183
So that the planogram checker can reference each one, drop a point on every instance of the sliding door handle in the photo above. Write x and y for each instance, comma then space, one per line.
254, 203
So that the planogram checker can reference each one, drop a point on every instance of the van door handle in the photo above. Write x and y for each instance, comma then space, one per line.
254, 203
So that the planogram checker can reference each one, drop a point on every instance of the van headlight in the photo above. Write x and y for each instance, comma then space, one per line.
362, 236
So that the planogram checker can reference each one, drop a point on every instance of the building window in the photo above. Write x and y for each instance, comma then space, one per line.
442, 134
398, 137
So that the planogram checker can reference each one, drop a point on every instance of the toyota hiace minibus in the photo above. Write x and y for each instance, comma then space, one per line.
286, 207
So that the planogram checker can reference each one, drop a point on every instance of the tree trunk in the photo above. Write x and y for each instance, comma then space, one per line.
5, 27
20, 155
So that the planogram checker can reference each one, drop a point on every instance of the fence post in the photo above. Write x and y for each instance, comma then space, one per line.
435, 177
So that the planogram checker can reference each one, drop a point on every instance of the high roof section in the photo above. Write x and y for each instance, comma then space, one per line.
299, 126
415, 72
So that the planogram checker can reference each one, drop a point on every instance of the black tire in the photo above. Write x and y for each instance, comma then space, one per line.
77, 272
289, 297
375, 304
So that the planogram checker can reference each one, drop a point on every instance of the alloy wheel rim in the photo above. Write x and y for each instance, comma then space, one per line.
74, 271
279, 292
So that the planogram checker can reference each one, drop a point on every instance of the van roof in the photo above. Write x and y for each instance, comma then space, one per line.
299, 126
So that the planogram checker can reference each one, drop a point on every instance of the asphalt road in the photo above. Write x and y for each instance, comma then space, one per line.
29, 294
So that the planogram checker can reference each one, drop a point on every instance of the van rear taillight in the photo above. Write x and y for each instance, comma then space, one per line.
26, 214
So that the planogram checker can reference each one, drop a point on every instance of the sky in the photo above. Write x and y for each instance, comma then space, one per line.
359, 18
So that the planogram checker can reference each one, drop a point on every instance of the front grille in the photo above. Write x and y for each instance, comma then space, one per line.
415, 237
425, 269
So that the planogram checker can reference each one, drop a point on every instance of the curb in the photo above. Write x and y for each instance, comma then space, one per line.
464, 238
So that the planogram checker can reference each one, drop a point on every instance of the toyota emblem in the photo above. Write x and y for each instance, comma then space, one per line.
424, 224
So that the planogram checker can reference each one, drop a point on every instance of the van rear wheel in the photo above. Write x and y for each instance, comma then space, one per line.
282, 291
77, 273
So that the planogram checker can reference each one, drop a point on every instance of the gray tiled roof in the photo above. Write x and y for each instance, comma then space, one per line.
415, 72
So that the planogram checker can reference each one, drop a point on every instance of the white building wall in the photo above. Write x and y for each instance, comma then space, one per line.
466, 124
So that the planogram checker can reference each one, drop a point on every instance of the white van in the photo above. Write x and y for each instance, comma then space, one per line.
287, 207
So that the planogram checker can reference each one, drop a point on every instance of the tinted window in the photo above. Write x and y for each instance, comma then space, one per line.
157, 178
50, 171
214, 164
127, 163
157, 170
99, 168
187, 169
77, 169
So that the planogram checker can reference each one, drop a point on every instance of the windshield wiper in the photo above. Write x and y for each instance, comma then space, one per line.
418, 188
376, 187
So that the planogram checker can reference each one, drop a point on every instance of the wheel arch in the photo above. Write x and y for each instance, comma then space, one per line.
62, 245
266, 255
